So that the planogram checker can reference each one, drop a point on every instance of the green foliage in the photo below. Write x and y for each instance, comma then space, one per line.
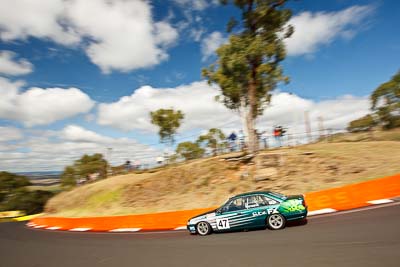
30, 202
83, 168
214, 139
168, 121
362, 124
386, 102
91, 164
189, 150
248, 66
10, 181
68, 177
14, 195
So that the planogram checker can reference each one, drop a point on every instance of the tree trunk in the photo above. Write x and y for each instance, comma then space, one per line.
252, 139
250, 118
244, 111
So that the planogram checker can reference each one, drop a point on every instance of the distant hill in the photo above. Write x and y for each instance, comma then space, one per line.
41, 175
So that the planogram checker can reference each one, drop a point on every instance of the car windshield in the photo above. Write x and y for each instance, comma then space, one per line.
226, 202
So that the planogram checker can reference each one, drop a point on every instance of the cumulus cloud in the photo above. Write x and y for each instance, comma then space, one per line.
20, 19
313, 30
78, 134
197, 101
116, 35
10, 134
211, 43
289, 110
10, 66
38, 106
42, 150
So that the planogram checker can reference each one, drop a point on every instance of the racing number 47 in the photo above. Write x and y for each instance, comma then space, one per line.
223, 224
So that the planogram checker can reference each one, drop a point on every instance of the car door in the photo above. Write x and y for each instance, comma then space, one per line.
231, 215
258, 207
256, 211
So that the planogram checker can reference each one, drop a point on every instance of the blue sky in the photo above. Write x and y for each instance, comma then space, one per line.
80, 76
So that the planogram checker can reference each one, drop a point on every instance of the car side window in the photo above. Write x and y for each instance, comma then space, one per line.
256, 201
234, 204
270, 201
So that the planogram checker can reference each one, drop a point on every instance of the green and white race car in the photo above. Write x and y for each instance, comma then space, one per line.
251, 210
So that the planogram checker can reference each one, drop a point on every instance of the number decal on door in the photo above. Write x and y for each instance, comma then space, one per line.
223, 224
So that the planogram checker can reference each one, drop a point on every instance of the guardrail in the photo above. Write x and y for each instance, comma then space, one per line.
325, 201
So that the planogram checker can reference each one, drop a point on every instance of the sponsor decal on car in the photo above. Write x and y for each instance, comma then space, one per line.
292, 205
265, 212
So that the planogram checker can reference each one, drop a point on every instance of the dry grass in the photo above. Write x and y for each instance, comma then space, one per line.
208, 182
375, 135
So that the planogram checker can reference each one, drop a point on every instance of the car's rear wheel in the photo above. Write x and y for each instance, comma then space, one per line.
276, 222
203, 228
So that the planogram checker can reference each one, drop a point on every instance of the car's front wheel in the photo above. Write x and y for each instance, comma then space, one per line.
203, 228
276, 222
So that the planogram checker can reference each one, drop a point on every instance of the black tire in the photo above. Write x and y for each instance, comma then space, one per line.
276, 221
203, 228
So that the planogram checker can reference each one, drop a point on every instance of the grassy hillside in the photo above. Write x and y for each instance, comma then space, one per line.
209, 182
375, 135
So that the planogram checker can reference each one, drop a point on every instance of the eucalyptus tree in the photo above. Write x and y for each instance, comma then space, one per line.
386, 102
214, 139
248, 66
168, 122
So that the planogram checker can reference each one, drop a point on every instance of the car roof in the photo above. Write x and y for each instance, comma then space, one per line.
253, 193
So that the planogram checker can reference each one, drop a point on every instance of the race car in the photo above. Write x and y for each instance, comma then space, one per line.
250, 210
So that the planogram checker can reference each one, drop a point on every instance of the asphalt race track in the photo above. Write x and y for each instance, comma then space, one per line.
364, 238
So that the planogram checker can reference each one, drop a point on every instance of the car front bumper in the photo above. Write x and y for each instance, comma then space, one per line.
191, 228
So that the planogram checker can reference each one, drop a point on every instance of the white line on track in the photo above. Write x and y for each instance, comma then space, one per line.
53, 228
322, 211
121, 230
79, 229
380, 201
180, 228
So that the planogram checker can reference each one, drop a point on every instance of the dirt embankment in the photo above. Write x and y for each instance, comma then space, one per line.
209, 182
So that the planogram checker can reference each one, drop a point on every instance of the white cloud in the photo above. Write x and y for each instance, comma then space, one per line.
53, 151
125, 36
196, 34
313, 30
38, 106
193, 25
20, 19
198, 5
116, 35
10, 66
76, 133
211, 43
289, 110
10, 134
197, 101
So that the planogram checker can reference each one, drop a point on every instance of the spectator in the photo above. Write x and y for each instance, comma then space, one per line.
127, 165
232, 141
